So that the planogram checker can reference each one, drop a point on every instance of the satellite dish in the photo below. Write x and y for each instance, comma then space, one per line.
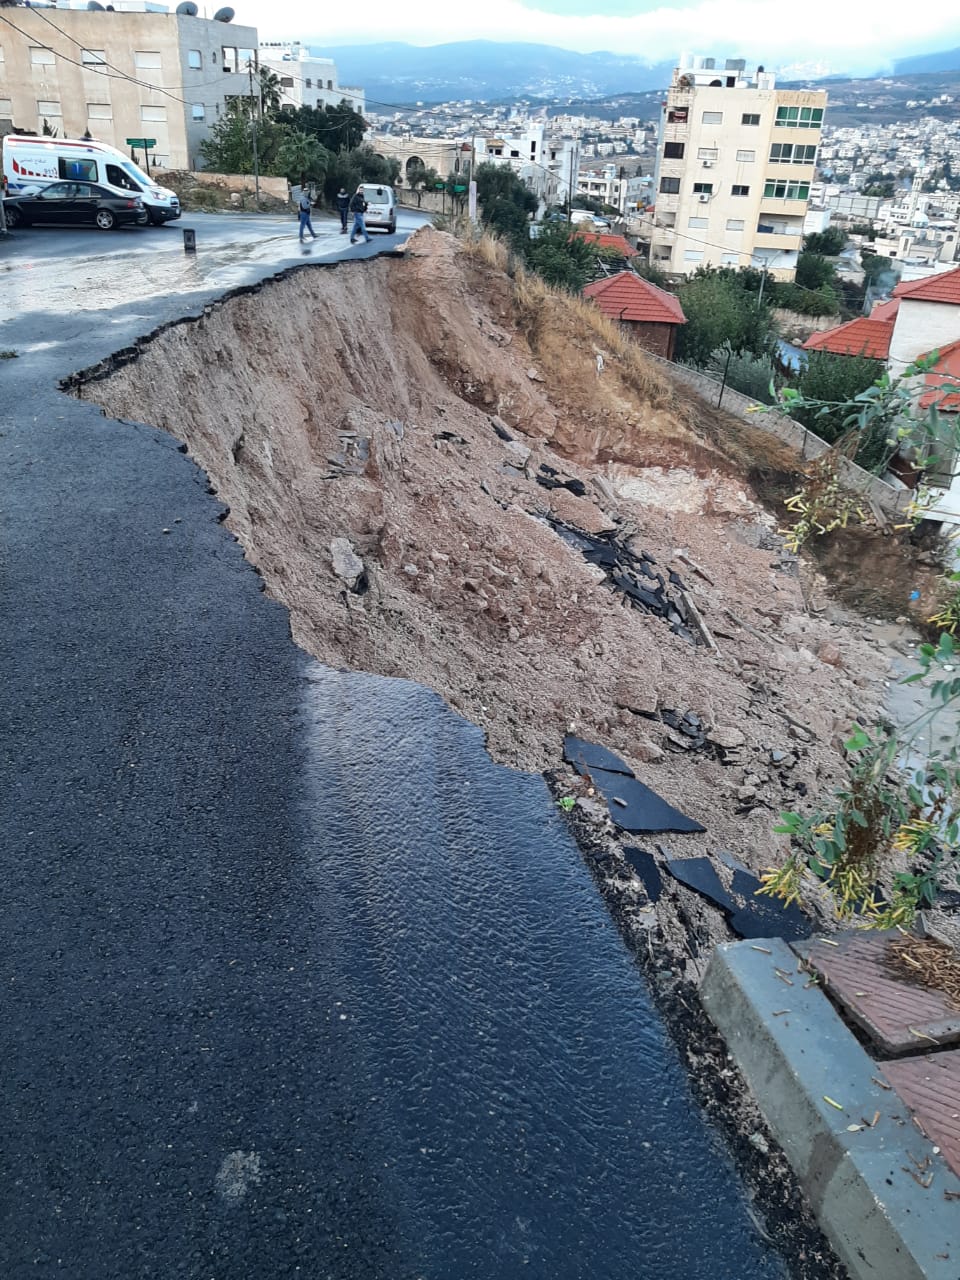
223, 15
188, 9
94, 4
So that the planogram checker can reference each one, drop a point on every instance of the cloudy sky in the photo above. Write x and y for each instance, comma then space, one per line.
854, 35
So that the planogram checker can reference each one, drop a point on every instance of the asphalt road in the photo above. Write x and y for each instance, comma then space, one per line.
297, 982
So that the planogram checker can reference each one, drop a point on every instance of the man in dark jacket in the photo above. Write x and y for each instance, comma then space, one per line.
343, 208
358, 207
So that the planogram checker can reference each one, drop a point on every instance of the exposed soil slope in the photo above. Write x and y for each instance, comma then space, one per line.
357, 402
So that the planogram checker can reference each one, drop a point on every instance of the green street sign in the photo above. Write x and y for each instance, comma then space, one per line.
145, 143
438, 186
459, 189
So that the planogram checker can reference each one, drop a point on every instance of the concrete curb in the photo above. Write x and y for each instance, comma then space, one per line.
795, 1052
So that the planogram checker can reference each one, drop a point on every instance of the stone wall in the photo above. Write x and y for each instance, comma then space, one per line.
889, 498
245, 183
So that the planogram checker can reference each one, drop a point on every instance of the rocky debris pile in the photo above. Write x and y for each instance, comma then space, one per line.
634, 575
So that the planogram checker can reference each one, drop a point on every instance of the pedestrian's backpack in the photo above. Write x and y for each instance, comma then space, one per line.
304, 202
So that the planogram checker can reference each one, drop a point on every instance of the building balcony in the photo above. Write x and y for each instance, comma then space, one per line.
778, 238
771, 206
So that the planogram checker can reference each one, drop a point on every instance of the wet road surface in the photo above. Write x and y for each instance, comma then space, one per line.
297, 982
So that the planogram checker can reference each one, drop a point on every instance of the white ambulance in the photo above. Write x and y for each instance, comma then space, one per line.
29, 164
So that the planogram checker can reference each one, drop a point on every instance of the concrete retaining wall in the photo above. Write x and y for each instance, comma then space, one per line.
278, 188
888, 498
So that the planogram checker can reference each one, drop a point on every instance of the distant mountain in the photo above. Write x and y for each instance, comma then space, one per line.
486, 70
947, 60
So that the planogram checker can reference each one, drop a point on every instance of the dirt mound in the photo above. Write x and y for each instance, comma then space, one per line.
370, 402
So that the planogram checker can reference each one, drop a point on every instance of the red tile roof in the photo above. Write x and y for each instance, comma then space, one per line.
942, 288
605, 240
860, 337
885, 310
944, 374
626, 296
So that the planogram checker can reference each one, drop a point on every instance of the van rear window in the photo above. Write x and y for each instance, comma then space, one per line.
75, 169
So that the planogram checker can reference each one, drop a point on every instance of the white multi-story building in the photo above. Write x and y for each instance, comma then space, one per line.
606, 184
305, 80
548, 165
735, 162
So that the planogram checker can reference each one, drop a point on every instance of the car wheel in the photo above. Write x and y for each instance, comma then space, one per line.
105, 220
156, 219
14, 217
392, 229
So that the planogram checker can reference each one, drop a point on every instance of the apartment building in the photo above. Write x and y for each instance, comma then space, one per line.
607, 184
548, 164
735, 162
140, 73
305, 80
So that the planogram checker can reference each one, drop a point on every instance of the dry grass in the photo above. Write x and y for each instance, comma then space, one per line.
929, 963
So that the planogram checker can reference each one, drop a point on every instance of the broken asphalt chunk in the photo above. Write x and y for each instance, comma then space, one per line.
700, 875
587, 756
644, 865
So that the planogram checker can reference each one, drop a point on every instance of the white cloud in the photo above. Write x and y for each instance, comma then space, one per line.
847, 34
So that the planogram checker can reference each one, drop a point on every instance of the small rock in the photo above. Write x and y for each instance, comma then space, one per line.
521, 450
647, 751
902, 620
632, 695
777, 757
759, 1141
798, 734
829, 652
746, 793
347, 565
728, 737
164, 530
411, 570
533, 375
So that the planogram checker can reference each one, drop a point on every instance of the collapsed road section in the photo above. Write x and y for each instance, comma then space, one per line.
421, 497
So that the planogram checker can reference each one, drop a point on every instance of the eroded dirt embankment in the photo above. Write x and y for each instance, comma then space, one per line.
357, 403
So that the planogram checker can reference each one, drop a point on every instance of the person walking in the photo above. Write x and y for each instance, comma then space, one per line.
305, 223
358, 207
343, 208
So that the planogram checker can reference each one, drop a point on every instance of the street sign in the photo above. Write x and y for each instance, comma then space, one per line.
459, 189
145, 143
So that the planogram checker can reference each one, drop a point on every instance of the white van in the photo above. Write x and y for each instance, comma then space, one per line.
381, 207
29, 164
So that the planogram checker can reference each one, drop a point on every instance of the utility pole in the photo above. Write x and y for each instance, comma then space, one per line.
570, 189
253, 123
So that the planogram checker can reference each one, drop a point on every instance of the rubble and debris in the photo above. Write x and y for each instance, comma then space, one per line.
633, 806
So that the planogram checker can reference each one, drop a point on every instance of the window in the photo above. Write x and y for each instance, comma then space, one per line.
92, 57
787, 152
6, 108
49, 109
799, 117
748, 117
194, 59
678, 115
76, 168
698, 224
707, 153
515, 155
739, 190
153, 113
99, 111
198, 111
670, 186
781, 189
712, 117
229, 58
703, 188
308, 82
147, 59
330, 85
286, 82
693, 255
42, 57
746, 157
673, 150
734, 224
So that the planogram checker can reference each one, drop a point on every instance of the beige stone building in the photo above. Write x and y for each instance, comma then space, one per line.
120, 75
735, 162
